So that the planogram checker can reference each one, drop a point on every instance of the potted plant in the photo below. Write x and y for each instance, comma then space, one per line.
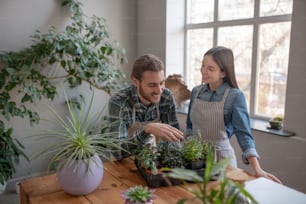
171, 155
138, 195
276, 123
80, 141
194, 151
147, 158
148, 165
154, 162
84, 51
226, 190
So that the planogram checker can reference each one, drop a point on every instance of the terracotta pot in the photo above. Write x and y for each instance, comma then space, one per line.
81, 181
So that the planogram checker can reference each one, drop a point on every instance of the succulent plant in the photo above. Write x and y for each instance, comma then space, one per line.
138, 195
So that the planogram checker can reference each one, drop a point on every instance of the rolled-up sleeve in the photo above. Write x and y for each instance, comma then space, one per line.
242, 128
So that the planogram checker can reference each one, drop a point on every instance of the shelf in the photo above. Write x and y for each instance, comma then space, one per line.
263, 126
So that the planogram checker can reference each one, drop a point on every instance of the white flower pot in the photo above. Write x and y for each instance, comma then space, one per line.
81, 181
2, 188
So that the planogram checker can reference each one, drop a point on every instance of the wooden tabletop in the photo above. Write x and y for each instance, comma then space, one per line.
118, 176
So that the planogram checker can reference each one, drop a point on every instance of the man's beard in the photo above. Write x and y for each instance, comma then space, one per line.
147, 97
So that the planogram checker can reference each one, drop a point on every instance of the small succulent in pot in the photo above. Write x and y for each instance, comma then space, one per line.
276, 122
138, 195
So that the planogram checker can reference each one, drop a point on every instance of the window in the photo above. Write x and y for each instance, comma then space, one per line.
258, 32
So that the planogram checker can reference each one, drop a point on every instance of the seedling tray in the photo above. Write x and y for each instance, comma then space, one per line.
157, 180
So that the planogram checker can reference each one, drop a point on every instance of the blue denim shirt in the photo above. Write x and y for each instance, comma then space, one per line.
236, 117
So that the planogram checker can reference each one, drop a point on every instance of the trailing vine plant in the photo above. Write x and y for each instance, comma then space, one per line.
84, 51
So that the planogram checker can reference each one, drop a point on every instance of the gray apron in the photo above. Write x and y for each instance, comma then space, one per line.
208, 118
138, 126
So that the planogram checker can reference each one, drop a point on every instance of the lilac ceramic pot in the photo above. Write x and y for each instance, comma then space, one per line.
80, 180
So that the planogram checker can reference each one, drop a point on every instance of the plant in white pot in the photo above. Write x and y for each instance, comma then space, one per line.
80, 141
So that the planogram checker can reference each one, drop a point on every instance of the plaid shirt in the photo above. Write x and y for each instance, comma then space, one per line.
121, 109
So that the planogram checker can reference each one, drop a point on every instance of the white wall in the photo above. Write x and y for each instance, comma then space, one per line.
295, 113
151, 33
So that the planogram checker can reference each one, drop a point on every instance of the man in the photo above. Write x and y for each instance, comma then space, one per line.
146, 109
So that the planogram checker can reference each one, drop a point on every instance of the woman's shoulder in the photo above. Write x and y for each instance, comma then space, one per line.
236, 94
235, 91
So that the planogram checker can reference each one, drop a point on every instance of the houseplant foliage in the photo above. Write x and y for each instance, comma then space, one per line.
154, 161
226, 192
80, 139
194, 151
84, 51
171, 154
147, 158
138, 195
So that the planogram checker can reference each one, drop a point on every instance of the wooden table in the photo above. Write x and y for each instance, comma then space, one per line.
118, 176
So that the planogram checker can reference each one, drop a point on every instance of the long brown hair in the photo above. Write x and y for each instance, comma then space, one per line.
225, 59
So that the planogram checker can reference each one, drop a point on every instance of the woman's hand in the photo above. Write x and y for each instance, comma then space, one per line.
259, 172
262, 173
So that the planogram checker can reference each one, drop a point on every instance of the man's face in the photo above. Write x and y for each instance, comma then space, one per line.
150, 87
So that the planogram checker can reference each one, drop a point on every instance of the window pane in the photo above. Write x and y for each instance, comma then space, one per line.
200, 11
198, 42
236, 9
275, 7
273, 55
239, 39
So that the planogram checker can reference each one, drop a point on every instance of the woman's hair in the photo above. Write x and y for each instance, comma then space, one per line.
144, 63
225, 59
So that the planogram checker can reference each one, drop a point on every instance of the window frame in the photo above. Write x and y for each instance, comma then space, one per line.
256, 21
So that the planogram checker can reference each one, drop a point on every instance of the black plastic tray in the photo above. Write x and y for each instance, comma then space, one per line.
157, 180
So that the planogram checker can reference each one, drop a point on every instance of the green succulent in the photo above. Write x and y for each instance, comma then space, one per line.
138, 194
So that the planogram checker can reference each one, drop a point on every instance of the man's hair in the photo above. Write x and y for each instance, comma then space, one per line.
147, 62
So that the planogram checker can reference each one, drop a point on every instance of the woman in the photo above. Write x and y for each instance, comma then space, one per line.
218, 110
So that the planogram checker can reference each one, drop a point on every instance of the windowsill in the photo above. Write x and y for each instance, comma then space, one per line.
262, 126
256, 124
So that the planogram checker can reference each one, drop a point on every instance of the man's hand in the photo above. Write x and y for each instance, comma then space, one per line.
164, 131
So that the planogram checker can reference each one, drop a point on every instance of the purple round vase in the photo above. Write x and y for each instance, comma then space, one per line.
81, 181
